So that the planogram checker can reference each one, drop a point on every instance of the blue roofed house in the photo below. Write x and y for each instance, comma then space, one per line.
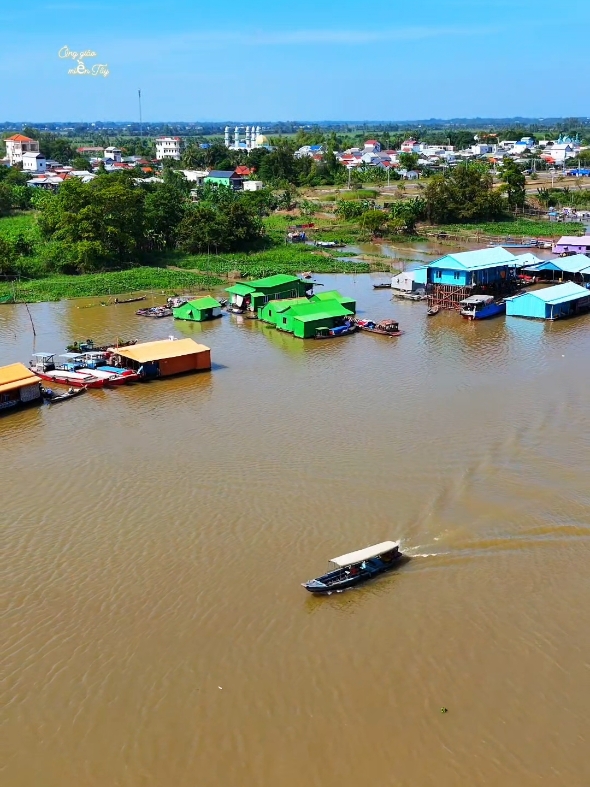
454, 277
575, 268
550, 303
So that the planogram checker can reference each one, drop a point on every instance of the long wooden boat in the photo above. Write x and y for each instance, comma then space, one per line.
129, 300
383, 328
156, 312
356, 567
382, 286
53, 398
433, 311
89, 346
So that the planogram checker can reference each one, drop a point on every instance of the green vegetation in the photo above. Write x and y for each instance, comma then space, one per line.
529, 228
358, 194
54, 288
291, 259
465, 194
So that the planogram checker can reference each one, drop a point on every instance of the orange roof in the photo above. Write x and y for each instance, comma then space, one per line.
19, 138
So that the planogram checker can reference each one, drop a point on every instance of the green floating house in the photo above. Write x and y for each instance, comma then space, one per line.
253, 295
200, 310
305, 317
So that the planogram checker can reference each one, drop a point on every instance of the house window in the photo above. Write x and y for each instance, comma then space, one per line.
439, 274
284, 320
457, 275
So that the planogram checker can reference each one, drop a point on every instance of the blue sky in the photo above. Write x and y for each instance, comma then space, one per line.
307, 60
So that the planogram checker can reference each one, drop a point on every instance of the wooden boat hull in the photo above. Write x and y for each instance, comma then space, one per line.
391, 334
56, 398
337, 581
381, 286
433, 312
64, 378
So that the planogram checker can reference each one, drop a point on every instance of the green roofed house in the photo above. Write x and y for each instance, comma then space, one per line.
334, 295
253, 295
199, 310
222, 177
305, 319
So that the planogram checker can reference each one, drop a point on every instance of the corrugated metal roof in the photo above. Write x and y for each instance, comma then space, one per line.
158, 351
207, 302
240, 289
16, 375
572, 240
568, 291
475, 260
323, 315
575, 264
274, 281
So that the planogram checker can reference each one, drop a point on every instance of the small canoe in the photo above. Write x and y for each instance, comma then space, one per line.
129, 300
382, 286
53, 398
432, 311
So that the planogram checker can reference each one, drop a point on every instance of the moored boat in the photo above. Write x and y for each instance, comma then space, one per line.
480, 307
383, 328
43, 364
53, 398
155, 311
356, 567
338, 330
434, 310
382, 286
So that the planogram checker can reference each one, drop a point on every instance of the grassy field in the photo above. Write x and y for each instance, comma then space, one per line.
20, 224
55, 288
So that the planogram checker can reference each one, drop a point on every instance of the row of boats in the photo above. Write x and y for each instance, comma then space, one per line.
89, 369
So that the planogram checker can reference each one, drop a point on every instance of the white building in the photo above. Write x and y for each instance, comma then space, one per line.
35, 163
17, 145
253, 185
194, 175
253, 138
169, 147
113, 153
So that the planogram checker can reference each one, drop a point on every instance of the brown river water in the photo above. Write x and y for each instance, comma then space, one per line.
154, 539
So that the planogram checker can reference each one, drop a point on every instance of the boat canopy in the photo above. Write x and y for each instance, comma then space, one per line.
43, 355
71, 356
478, 299
364, 554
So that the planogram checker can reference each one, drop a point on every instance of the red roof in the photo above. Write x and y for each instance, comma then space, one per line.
19, 138
244, 171
371, 142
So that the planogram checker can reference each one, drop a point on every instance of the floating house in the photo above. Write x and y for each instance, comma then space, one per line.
576, 268
252, 295
199, 310
305, 318
334, 295
279, 313
165, 358
550, 303
409, 281
570, 244
19, 386
455, 277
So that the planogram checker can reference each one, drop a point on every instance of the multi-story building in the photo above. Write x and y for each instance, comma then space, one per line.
17, 145
168, 147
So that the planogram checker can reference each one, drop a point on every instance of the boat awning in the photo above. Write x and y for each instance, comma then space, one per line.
71, 356
364, 554
478, 299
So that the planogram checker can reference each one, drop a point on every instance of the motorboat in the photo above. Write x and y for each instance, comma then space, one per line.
480, 307
43, 364
338, 330
356, 567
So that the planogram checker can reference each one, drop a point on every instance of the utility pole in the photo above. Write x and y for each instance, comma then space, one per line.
140, 118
